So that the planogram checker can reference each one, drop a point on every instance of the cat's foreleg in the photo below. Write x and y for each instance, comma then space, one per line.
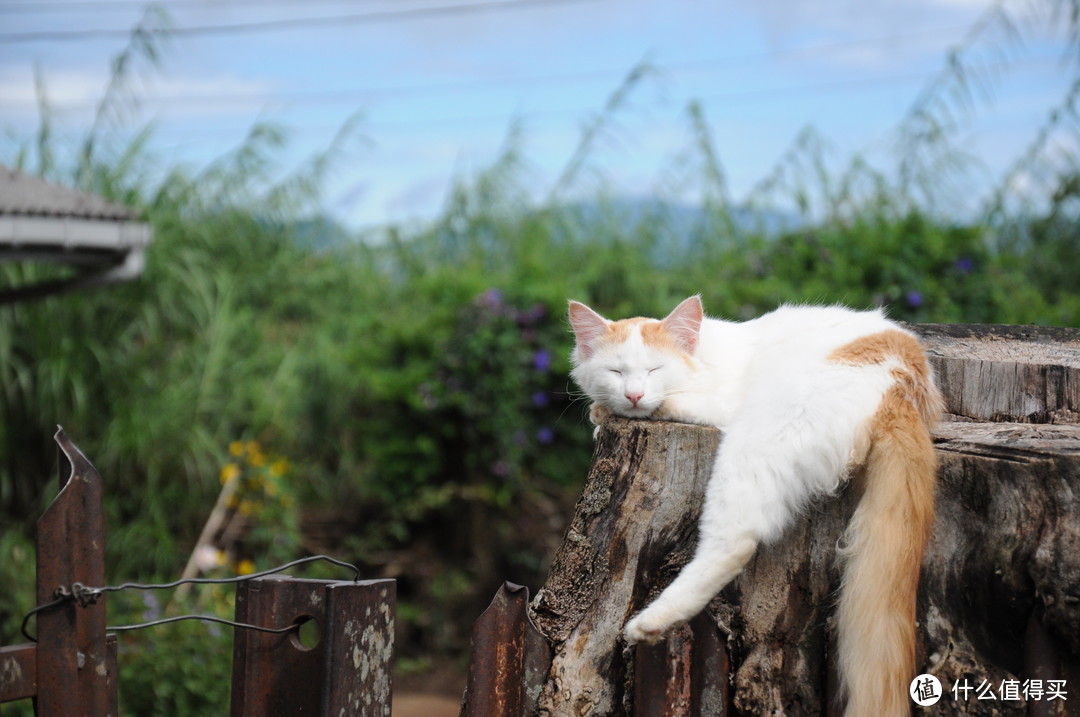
680, 410
703, 577
740, 509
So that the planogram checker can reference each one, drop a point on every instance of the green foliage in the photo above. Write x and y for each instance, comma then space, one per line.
17, 575
181, 668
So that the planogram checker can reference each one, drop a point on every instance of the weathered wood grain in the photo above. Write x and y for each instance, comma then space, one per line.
1028, 374
633, 528
1000, 597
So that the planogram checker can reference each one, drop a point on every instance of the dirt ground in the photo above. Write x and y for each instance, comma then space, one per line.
425, 705
433, 694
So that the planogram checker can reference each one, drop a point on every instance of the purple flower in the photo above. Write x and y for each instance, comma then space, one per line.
542, 360
545, 435
914, 299
964, 265
540, 399
532, 315
153, 607
492, 299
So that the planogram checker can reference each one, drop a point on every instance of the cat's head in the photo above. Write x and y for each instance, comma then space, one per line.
632, 366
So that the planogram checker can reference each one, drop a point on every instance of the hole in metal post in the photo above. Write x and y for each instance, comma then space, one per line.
307, 634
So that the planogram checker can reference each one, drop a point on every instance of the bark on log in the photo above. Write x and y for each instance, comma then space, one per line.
634, 526
1000, 593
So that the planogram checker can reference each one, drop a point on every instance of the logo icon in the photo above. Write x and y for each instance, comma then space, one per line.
925, 690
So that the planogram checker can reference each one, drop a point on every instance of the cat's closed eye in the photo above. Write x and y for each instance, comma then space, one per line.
655, 369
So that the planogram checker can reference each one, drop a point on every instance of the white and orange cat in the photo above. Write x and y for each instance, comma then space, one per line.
804, 397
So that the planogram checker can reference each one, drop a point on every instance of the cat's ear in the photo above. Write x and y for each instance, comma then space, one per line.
588, 326
684, 323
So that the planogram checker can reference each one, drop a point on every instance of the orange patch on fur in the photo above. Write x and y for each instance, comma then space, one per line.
915, 375
619, 331
657, 336
878, 347
652, 333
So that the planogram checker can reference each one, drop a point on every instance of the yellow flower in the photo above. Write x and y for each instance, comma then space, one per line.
255, 457
255, 454
279, 467
229, 472
236, 449
245, 567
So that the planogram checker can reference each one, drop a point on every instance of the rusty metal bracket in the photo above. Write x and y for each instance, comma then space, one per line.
686, 675
346, 670
508, 660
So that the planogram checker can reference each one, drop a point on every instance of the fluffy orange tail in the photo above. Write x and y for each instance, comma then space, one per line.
883, 548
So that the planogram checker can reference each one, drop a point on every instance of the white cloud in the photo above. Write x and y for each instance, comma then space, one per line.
74, 93
209, 96
881, 34
66, 88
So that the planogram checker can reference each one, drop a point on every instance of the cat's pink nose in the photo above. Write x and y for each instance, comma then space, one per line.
634, 396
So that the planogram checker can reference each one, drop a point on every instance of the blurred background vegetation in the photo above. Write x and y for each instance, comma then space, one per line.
404, 395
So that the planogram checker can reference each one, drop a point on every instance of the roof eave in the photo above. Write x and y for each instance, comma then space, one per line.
109, 251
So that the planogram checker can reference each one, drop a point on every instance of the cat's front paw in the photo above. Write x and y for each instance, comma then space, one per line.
648, 626
598, 414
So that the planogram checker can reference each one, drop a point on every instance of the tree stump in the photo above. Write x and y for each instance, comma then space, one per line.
634, 526
999, 602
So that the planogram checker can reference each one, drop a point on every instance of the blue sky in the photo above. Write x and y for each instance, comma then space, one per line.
436, 84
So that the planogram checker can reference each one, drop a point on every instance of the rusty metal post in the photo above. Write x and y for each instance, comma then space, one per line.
75, 675
711, 688
18, 672
349, 667
359, 636
683, 676
509, 659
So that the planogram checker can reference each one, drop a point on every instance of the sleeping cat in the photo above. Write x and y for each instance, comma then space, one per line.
804, 396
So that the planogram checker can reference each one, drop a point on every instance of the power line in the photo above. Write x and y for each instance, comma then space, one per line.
353, 94
736, 97
98, 5
281, 25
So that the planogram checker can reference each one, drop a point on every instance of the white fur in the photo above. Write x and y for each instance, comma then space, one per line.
793, 422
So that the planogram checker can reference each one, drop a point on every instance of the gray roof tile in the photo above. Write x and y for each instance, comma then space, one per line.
26, 195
